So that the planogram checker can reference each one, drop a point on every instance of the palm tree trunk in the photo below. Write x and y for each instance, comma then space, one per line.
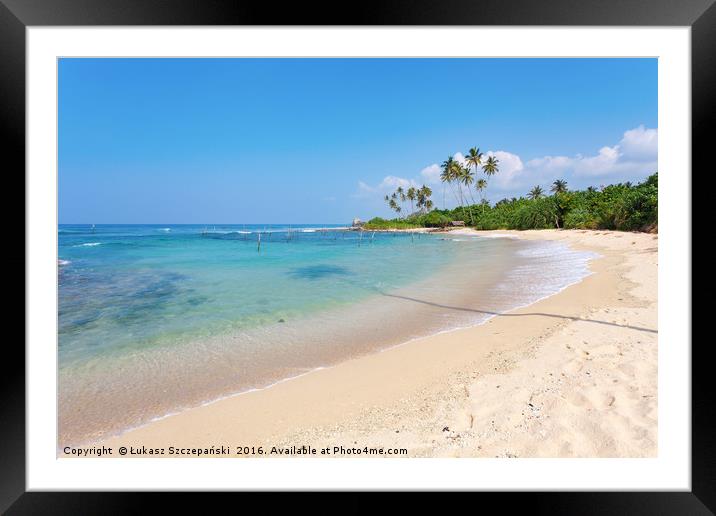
453, 192
472, 198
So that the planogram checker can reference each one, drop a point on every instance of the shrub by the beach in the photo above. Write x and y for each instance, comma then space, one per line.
536, 214
380, 223
434, 219
581, 218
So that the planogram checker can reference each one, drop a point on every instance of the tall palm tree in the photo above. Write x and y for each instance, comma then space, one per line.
394, 202
393, 205
559, 186
427, 192
535, 193
491, 166
401, 195
410, 194
481, 186
423, 195
467, 178
474, 158
458, 172
448, 174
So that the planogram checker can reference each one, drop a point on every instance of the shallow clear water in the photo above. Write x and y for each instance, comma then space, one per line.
156, 318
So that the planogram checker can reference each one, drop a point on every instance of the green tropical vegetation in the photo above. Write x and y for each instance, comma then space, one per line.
623, 206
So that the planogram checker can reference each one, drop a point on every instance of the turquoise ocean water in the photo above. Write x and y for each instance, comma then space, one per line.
156, 318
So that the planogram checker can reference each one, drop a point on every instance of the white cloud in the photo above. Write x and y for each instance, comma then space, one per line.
602, 164
635, 154
460, 158
634, 157
388, 184
364, 189
393, 182
511, 167
640, 144
431, 174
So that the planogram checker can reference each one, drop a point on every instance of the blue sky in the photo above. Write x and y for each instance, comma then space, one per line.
322, 140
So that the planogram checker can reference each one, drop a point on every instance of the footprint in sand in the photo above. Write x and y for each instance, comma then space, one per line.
574, 366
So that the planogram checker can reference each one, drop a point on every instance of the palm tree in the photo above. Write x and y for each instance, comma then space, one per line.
474, 158
411, 197
535, 193
480, 186
401, 195
490, 167
559, 186
467, 178
427, 192
393, 205
447, 174
423, 194
457, 172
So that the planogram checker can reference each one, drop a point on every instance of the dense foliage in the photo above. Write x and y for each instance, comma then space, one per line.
623, 206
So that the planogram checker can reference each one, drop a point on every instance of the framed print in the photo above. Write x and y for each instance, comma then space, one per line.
414, 250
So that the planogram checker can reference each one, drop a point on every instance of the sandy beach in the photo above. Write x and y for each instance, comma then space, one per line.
573, 375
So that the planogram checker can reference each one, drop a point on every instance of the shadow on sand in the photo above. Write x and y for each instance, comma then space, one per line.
542, 314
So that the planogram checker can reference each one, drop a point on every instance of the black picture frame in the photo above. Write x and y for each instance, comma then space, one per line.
17, 15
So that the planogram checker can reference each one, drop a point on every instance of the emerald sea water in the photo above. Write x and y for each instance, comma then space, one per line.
153, 319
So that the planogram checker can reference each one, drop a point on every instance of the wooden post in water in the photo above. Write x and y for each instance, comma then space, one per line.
258, 246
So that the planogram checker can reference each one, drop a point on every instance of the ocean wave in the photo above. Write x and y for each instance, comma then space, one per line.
62, 263
551, 267
217, 232
88, 244
164, 229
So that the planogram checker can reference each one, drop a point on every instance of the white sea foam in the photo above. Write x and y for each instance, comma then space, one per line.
62, 263
89, 244
551, 267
